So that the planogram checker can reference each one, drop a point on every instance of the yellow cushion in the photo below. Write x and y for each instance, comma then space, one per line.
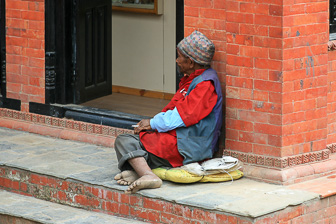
220, 177
176, 175
181, 176
160, 172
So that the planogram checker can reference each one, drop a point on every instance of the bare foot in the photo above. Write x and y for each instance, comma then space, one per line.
126, 177
146, 181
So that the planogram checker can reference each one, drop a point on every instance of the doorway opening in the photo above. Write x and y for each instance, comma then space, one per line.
86, 51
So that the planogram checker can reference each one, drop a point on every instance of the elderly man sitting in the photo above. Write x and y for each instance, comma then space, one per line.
187, 129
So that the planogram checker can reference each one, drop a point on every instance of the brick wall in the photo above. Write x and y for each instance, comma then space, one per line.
253, 121
273, 59
305, 66
25, 51
331, 105
6, 219
208, 16
316, 211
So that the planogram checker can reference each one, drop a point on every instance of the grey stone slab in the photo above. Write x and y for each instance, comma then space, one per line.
6, 132
22, 205
101, 220
98, 176
62, 169
7, 156
30, 139
261, 201
34, 150
85, 150
99, 159
44, 158
53, 214
6, 145
213, 200
183, 192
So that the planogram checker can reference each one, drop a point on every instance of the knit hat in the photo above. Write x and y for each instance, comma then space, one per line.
197, 47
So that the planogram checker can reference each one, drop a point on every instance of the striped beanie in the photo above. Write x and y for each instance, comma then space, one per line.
197, 47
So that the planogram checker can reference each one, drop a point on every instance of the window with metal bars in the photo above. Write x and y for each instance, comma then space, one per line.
332, 19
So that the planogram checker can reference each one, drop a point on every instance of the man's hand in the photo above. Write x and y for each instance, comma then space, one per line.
143, 125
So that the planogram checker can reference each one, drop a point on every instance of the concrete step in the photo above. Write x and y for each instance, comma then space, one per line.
81, 175
14, 206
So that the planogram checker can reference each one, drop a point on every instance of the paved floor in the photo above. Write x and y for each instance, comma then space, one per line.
97, 165
131, 104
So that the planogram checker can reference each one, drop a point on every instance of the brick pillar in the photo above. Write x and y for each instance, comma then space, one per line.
208, 16
305, 75
25, 51
276, 84
331, 104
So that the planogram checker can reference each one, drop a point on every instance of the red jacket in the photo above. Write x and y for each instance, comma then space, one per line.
199, 104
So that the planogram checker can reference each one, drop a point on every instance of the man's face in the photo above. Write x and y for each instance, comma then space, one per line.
183, 63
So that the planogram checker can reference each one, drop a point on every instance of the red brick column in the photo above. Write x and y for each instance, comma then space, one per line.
25, 51
331, 105
208, 16
305, 76
279, 96
254, 80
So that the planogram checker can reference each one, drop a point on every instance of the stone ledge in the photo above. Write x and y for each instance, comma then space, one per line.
57, 132
325, 186
81, 175
292, 175
60, 128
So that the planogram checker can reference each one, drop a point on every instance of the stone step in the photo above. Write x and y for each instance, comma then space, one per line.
19, 207
81, 175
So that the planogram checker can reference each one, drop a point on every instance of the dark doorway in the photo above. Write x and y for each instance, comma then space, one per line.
78, 62
78, 50
93, 51
179, 33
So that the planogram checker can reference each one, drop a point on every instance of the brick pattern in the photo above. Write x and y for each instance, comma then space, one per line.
63, 123
25, 51
208, 16
283, 162
316, 211
305, 76
105, 200
113, 202
254, 79
331, 104
272, 58
6, 219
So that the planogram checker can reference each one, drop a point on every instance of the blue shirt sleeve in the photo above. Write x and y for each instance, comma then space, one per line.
166, 121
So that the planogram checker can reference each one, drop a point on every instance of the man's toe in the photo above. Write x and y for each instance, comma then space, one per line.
118, 176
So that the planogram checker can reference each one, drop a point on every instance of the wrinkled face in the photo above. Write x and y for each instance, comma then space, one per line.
183, 63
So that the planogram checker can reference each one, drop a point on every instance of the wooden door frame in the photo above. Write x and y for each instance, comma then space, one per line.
98, 87
62, 78
59, 83
179, 32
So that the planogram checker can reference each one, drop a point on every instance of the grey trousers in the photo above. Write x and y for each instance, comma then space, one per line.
128, 146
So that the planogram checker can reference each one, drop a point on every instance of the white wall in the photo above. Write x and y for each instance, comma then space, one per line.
143, 49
